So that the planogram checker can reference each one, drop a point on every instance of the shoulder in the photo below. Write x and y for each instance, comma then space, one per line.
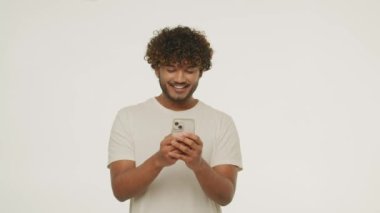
216, 113
136, 108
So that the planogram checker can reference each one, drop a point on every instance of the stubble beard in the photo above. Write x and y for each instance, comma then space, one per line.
178, 100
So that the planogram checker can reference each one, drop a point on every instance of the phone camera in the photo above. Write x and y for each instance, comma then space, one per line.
178, 125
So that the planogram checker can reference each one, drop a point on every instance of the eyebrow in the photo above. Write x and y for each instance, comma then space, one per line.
178, 65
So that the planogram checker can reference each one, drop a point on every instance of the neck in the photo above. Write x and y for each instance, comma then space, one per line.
176, 106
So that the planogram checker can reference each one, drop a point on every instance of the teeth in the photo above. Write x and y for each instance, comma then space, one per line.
179, 86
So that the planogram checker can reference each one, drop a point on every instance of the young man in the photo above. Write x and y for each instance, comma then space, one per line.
160, 171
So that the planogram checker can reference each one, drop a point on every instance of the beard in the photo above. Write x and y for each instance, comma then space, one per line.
178, 98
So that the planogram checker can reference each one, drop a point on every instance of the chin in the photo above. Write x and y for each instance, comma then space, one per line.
179, 99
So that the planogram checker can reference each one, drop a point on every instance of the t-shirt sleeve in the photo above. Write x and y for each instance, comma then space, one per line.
121, 146
227, 147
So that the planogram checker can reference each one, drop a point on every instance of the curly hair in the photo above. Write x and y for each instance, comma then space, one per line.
179, 45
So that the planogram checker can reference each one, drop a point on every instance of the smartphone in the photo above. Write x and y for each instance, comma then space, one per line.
183, 125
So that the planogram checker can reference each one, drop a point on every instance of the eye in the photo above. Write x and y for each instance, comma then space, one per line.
192, 70
170, 69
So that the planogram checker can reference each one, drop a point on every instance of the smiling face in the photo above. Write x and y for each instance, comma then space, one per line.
178, 83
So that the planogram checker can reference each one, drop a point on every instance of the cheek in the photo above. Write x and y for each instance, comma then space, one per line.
163, 77
193, 78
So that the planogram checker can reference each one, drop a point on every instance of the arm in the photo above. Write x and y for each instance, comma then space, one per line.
218, 182
129, 181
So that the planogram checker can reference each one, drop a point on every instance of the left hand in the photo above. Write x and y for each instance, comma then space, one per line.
190, 147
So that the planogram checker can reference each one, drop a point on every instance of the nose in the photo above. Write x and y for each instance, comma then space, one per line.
179, 76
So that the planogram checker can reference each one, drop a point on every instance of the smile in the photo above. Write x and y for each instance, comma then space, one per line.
179, 86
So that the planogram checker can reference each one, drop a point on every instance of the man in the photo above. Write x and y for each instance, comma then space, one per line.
182, 172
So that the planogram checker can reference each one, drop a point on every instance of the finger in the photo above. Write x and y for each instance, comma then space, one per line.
188, 138
175, 155
167, 140
175, 150
187, 141
179, 136
171, 148
179, 156
182, 147
193, 137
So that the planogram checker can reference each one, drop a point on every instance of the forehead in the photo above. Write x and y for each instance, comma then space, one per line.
182, 65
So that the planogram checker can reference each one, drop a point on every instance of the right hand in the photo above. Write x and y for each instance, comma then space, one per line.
163, 157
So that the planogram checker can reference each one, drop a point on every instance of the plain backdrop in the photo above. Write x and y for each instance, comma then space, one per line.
300, 78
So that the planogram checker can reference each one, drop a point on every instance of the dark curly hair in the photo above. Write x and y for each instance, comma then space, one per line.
179, 45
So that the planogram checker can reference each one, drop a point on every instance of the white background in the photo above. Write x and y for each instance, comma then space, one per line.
300, 78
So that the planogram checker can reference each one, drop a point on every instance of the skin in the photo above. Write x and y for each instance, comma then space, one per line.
178, 82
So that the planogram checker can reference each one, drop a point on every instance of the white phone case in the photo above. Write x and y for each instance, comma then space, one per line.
183, 125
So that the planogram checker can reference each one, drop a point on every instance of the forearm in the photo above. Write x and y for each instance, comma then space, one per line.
217, 187
135, 181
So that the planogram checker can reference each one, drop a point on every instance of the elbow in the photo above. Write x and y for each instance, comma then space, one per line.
225, 202
119, 194
124, 194
225, 199
120, 197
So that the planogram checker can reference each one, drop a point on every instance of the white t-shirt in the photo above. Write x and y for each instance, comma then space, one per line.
136, 135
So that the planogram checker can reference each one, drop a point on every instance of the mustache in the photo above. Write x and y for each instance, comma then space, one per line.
178, 84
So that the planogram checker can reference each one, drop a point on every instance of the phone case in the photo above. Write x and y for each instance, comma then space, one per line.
183, 125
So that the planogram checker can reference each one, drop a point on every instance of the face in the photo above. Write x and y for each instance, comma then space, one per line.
178, 82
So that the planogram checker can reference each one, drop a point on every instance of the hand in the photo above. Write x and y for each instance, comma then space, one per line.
190, 149
164, 157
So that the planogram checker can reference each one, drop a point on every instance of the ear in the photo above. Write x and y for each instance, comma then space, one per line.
157, 72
